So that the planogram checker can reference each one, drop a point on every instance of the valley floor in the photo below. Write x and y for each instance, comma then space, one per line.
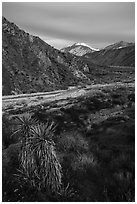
27, 101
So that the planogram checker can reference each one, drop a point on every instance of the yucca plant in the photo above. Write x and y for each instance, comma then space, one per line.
38, 158
39, 161
23, 126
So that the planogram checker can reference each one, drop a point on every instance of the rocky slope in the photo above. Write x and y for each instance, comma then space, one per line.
118, 54
31, 65
79, 49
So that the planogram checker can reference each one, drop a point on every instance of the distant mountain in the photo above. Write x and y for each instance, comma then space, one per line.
119, 45
79, 49
31, 65
117, 54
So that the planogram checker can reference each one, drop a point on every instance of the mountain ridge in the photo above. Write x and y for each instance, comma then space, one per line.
31, 65
115, 55
118, 45
82, 49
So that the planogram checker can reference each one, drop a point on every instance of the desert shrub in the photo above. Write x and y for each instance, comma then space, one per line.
131, 112
6, 131
119, 98
10, 158
72, 141
126, 182
97, 102
83, 161
73, 114
67, 193
131, 97
120, 187
10, 163
124, 178
104, 155
122, 161
130, 132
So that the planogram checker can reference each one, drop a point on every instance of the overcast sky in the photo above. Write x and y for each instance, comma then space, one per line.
61, 24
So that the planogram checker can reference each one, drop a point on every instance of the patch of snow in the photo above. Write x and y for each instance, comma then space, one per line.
120, 47
84, 44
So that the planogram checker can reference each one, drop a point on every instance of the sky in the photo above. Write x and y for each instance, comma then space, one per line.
60, 24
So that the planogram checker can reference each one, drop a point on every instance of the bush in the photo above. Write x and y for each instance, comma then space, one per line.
120, 187
123, 162
83, 161
6, 131
72, 141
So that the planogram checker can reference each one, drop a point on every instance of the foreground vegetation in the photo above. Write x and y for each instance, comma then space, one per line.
85, 144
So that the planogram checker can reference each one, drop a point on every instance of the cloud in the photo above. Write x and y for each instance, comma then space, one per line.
92, 23
59, 43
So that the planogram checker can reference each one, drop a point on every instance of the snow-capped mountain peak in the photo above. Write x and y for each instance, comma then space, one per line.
79, 49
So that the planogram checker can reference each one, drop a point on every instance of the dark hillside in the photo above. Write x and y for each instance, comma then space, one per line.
31, 65
124, 56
